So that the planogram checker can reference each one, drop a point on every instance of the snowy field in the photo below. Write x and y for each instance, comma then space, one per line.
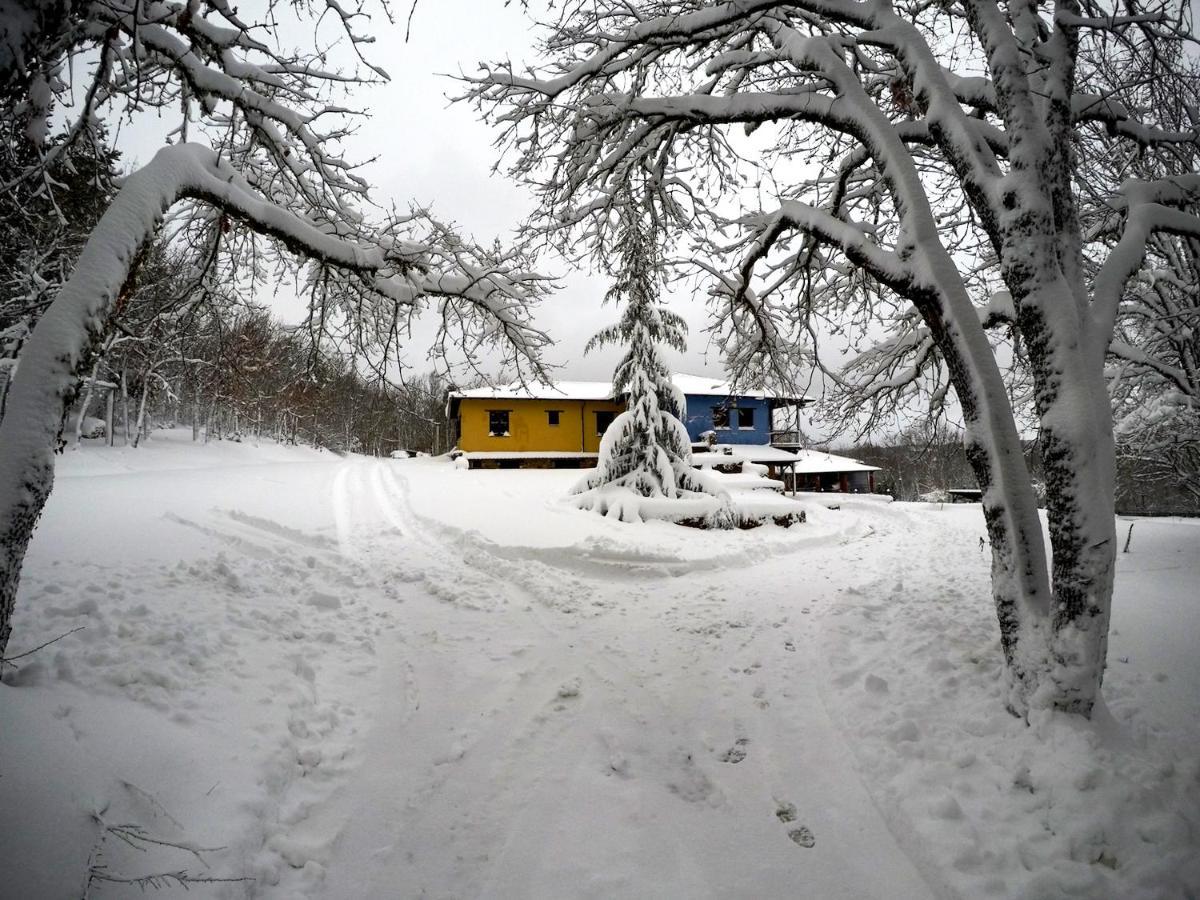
349, 678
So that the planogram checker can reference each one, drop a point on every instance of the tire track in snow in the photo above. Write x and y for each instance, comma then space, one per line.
676, 748
502, 774
458, 761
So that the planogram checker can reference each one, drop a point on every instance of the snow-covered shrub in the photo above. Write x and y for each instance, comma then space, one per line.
93, 428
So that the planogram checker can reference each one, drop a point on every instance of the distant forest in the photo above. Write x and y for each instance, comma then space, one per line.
189, 343
925, 461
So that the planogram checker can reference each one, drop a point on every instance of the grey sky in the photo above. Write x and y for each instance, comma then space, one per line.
441, 155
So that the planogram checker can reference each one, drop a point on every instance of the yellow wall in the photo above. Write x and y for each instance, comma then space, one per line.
528, 425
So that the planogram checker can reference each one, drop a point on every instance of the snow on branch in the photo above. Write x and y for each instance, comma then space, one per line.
1167, 206
473, 287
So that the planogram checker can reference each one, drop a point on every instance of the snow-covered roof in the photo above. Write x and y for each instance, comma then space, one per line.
808, 462
756, 453
529, 454
706, 385
602, 390
818, 462
533, 390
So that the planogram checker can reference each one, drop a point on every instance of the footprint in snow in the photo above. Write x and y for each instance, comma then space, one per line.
801, 835
736, 753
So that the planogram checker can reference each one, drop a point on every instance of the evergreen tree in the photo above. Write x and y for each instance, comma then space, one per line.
646, 449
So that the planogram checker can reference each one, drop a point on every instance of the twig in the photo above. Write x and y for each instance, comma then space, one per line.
162, 879
408, 27
134, 789
1129, 537
134, 835
8, 660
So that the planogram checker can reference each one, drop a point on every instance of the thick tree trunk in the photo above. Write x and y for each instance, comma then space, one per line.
1019, 576
1057, 658
1079, 463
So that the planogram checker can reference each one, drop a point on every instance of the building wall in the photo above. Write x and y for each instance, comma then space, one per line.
700, 419
529, 429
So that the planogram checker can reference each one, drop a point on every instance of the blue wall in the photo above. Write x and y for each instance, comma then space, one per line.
699, 419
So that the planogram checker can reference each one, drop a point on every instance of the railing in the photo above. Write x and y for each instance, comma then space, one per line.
786, 439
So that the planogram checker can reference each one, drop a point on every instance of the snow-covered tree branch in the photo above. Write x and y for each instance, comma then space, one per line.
256, 178
914, 170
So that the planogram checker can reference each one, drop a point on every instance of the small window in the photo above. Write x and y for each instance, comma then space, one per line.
720, 417
746, 418
498, 422
603, 420
552, 416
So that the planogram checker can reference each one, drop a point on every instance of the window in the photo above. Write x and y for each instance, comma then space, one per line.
720, 416
603, 420
552, 416
746, 418
498, 422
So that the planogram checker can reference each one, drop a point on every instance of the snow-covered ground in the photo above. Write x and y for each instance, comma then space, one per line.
345, 678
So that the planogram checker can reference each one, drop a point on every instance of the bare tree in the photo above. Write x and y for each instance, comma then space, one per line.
918, 167
1154, 357
255, 177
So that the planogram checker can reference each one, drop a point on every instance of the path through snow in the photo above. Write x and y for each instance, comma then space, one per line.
627, 736
354, 678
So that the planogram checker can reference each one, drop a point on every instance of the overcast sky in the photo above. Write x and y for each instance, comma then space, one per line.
441, 155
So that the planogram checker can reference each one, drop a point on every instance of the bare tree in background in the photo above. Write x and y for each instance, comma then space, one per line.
254, 176
919, 172
1154, 356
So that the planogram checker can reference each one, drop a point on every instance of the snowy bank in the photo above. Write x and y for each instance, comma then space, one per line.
338, 675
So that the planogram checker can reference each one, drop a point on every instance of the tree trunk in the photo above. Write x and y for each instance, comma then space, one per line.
140, 430
109, 437
125, 404
1056, 654
87, 401
1079, 459
195, 409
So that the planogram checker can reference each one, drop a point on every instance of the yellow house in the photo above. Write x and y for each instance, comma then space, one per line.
510, 426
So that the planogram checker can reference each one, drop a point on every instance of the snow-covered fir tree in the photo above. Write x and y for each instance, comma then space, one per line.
646, 449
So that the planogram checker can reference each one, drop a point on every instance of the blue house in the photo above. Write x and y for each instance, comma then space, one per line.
742, 417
